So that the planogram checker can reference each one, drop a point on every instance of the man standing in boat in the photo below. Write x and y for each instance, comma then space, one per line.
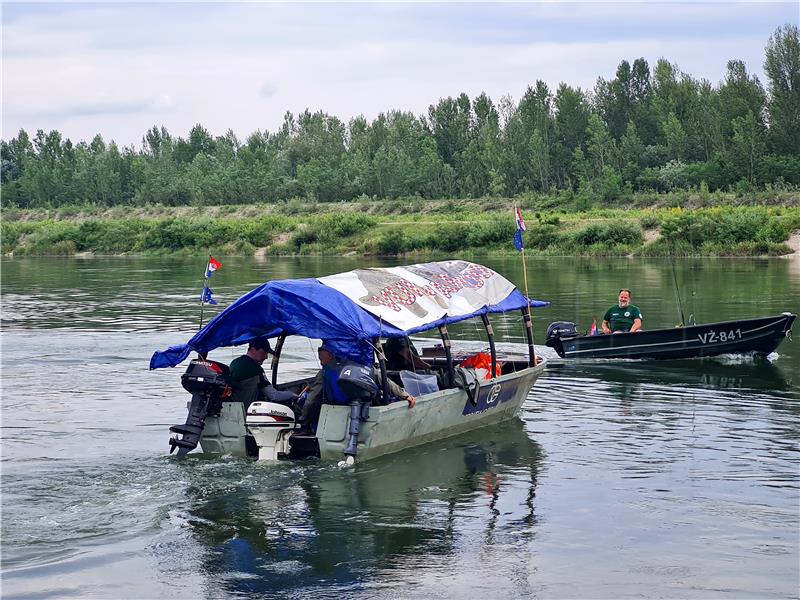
625, 317
248, 380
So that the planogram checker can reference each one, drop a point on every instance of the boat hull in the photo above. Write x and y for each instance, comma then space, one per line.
750, 336
390, 428
442, 414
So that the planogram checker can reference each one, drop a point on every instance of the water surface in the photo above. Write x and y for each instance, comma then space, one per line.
619, 479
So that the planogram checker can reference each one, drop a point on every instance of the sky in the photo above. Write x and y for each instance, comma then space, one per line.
117, 69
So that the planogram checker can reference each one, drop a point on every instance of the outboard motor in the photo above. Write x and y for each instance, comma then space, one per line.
558, 330
207, 382
357, 384
271, 425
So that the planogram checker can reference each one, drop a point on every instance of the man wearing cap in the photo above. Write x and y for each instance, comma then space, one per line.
313, 401
248, 380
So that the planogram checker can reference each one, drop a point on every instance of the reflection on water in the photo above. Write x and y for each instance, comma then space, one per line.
637, 478
747, 373
289, 528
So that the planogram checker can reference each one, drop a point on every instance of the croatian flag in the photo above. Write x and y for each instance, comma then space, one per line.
593, 328
206, 296
520, 228
213, 265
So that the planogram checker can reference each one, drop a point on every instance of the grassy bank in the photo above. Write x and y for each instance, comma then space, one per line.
412, 226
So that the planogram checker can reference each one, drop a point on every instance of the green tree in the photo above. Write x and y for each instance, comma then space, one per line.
200, 141
676, 139
747, 146
739, 95
782, 67
571, 122
614, 100
540, 157
601, 146
631, 152
449, 122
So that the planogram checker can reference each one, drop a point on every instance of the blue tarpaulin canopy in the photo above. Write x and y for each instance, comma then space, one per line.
310, 308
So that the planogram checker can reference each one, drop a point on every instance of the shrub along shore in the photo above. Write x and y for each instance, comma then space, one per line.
650, 225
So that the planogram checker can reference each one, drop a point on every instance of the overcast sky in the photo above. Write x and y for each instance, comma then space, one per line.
119, 68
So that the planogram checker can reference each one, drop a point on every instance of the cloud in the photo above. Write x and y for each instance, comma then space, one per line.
268, 90
111, 107
119, 69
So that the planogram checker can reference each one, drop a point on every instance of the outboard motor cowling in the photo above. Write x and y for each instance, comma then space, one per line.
357, 382
207, 381
358, 385
558, 330
205, 376
271, 425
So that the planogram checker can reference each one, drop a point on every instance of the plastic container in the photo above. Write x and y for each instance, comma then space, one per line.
418, 384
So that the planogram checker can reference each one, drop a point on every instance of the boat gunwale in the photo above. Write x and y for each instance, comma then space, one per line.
780, 317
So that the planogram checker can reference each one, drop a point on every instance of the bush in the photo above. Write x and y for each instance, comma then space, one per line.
61, 248
725, 228
489, 233
348, 224
744, 187
650, 221
609, 234
329, 230
392, 242
542, 237
418, 240
546, 219
610, 185
449, 237
303, 236
672, 175
780, 169
259, 232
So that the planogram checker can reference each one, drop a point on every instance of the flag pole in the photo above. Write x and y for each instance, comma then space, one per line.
203, 292
527, 296
528, 299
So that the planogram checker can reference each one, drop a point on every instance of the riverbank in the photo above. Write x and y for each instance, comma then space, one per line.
672, 225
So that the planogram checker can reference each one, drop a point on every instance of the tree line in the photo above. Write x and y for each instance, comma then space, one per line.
646, 129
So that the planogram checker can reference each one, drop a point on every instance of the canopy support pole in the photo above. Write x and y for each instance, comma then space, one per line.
526, 317
382, 364
276, 357
451, 376
490, 333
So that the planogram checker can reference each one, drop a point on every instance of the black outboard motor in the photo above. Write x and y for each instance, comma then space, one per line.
358, 386
207, 381
558, 330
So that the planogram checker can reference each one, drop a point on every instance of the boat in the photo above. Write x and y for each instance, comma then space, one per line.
350, 312
760, 336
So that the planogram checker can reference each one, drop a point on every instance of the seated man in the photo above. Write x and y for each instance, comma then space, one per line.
248, 380
623, 317
401, 355
322, 388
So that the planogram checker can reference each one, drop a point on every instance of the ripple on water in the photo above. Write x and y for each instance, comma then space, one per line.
648, 480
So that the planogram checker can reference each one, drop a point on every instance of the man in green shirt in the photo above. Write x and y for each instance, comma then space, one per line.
623, 317
248, 380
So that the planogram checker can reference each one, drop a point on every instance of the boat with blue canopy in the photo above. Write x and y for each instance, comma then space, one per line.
351, 313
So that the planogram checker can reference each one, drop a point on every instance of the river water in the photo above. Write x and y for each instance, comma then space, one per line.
620, 479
